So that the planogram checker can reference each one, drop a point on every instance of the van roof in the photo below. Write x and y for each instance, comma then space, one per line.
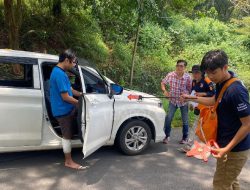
33, 56
28, 54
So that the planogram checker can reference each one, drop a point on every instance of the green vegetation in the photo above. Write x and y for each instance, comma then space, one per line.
105, 32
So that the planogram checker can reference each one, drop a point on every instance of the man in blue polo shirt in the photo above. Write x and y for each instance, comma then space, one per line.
233, 135
63, 104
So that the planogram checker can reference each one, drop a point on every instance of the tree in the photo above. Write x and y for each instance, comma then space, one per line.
146, 9
13, 19
57, 8
224, 8
140, 10
242, 5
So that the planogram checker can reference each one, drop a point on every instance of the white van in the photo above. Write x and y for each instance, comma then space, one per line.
106, 115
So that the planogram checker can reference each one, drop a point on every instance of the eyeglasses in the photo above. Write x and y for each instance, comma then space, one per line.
180, 66
73, 61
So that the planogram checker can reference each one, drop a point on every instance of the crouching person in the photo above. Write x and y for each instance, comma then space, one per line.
63, 104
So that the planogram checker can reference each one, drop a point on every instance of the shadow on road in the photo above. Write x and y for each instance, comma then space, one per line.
159, 167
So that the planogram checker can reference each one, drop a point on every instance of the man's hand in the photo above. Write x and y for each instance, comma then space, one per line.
76, 93
220, 153
166, 93
186, 98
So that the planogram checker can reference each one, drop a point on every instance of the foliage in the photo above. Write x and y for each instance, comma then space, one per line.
104, 32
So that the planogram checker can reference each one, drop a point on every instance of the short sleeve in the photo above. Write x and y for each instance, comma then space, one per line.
166, 79
240, 100
62, 83
210, 90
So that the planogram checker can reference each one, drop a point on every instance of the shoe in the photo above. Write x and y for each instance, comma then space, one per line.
184, 141
166, 140
187, 147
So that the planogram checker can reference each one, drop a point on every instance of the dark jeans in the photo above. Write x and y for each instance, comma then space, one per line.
184, 115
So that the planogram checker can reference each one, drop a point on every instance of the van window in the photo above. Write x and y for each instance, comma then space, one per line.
16, 75
94, 83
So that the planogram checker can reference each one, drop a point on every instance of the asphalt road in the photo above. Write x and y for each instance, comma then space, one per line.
160, 167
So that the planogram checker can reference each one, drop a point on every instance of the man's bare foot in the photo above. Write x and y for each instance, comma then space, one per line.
71, 164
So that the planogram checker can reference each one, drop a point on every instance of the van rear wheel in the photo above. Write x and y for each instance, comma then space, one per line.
134, 137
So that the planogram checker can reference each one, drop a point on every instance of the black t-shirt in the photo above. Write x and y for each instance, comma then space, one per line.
233, 106
204, 85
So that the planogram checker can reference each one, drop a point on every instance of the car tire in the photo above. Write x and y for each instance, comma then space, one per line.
134, 137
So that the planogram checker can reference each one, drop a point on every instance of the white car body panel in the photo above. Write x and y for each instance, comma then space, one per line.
17, 107
99, 121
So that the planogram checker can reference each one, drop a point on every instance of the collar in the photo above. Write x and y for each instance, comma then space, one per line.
232, 75
60, 68
178, 76
200, 81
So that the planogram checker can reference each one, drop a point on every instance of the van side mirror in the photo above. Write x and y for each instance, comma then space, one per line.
116, 89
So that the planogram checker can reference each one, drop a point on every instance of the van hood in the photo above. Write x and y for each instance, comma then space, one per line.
127, 92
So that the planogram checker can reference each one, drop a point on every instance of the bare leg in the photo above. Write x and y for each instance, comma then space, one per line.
67, 153
70, 163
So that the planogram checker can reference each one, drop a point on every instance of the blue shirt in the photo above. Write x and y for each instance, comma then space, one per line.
233, 106
59, 83
204, 85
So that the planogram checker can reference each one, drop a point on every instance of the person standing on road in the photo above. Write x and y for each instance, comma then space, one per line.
202, 85
233, 133
178, 82
63, 104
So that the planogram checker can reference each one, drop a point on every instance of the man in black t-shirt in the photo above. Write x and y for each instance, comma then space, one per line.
233, 135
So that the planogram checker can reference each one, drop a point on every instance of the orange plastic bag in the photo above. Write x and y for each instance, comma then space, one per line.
207, 125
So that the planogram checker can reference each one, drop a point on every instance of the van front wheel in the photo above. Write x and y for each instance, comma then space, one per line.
134, 137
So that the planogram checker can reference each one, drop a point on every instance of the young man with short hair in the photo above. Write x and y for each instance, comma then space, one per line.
63, 104
179, 82
233, 133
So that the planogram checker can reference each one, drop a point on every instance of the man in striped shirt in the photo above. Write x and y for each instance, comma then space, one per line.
178, 82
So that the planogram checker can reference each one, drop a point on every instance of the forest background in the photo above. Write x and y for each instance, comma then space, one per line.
133, 42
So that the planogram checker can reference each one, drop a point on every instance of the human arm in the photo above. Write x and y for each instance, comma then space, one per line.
208, 101
69, 99
201, 94
76, 93
163, 85
63, 86
163, 88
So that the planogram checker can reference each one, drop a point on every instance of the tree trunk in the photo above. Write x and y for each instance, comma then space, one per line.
13, 15
57, 8
140, 7
134, 53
